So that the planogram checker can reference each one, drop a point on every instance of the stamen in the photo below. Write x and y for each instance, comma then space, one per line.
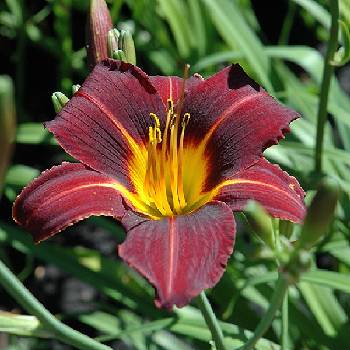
165, 164
155, 183
174, 168
185, 120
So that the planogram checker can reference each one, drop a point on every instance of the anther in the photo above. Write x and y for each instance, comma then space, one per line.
170, 104
185, 119
173, 120
156, 120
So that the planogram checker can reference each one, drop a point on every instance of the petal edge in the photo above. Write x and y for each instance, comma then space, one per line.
180, 256
63, 195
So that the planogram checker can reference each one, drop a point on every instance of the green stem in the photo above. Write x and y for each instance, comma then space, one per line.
285, 321
275, 303
62, 332
328, 70
211, 321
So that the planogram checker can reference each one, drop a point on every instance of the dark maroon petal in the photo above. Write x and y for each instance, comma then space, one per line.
64, 195
107, 120
237, 118
279, 193
170, 87
180, 255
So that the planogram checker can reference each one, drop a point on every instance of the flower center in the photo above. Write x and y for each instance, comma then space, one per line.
164, 179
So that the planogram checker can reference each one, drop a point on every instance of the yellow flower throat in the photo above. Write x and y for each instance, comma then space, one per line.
164, 185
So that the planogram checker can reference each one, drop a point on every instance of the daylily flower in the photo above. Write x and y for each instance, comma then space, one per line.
171, 160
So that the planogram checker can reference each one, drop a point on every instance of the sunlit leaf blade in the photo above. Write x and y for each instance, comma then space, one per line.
334, 280
237, 34
324, 306
316, 10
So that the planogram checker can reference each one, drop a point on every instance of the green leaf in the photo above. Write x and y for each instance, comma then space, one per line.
232, 27
20, 175
334, 280
175, 12
324, 306
316, 10
34, 133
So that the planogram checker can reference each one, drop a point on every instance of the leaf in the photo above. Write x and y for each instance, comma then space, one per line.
89, 266
334, 280
316, 10
197, 16
237, 34
175, 12
324, 306
34, 133
20, 175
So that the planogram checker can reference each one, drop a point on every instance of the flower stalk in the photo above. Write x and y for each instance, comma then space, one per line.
278, 296
328, 70
211, 321
7, 124
62, 332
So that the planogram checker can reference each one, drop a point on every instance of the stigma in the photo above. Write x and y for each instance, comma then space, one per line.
163, 183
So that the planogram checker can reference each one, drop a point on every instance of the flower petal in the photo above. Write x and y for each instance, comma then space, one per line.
180, 255
107, 120
237, 120
170, 87
63, 195
279, 193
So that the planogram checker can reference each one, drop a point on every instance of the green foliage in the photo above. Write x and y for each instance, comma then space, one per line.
207, 34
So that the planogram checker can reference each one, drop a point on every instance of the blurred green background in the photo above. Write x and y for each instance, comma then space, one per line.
77, 275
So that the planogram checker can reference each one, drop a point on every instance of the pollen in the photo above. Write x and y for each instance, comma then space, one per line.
164, 184
169, 172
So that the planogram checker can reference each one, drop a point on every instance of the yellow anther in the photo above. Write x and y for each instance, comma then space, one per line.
158, 135
185, 119
156, 120
173, 120
170, 104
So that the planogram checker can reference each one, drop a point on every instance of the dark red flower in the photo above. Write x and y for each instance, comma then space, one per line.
170, 166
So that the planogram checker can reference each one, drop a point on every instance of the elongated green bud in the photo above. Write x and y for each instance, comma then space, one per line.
112, 41
320, 213
127, 45
260, 223
75, 88
119, 55
7, 124
99, 24
59, 100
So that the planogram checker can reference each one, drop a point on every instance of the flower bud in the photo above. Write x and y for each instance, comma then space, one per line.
59, 100
320, 213
119, 55
112, 41
127, 46
99, 24
260, 223
75, 88
7, 124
